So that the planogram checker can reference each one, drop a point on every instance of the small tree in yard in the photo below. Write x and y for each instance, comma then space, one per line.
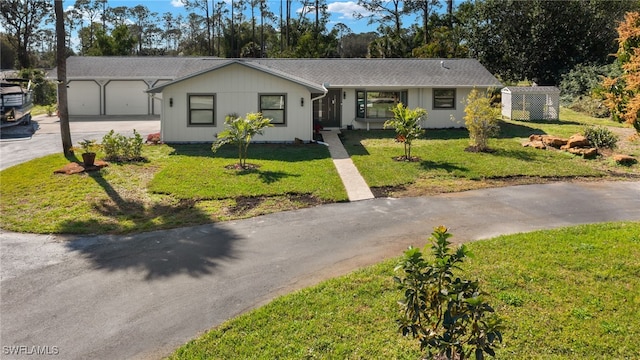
240, 131
407, 125
481, 120
622, 93
446, 314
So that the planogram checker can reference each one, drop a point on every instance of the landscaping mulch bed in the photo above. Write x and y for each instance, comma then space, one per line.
78, 168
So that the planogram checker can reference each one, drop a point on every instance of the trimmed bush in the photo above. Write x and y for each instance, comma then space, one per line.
120, 148
601, 137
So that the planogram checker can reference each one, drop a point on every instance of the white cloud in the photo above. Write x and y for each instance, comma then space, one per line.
177, 3
346, 9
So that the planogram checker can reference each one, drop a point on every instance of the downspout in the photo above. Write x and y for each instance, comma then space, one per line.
326, 91
324, 87
153, 97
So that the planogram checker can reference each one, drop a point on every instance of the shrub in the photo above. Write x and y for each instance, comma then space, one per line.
581, 81
407, 125
481, 120
44, 91
590, 106
446, 314
50, 109
601, 137
118, 147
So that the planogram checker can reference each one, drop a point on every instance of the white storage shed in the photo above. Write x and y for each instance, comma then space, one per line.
531, 103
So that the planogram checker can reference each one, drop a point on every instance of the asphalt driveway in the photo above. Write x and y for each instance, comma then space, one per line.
141, 296
21, 143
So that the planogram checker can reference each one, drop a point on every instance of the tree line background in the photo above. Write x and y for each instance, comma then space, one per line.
536, 40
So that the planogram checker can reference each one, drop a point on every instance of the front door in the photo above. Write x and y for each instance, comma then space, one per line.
327, 111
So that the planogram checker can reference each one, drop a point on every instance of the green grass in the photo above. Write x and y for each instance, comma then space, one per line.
185, 185
178, 186
38, 110
570, 293
445, 166
282, 169
443, 154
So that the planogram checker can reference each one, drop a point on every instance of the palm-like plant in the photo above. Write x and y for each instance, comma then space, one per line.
240, 131
407, 125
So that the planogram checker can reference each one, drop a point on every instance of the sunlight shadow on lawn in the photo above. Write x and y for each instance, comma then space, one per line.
438, 165
268, 177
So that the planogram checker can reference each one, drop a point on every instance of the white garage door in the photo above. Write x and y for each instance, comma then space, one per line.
83, 97
126, 98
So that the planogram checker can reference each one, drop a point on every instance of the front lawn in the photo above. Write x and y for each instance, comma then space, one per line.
582, 304
178, 186
445, 166
185, 185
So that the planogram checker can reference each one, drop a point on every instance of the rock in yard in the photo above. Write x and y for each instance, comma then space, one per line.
536, 144
586, 153
554, 141
624, 159
576, 141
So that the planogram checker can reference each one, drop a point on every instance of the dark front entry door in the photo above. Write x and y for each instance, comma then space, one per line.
327, 111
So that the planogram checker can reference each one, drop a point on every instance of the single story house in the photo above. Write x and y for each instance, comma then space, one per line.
194, 95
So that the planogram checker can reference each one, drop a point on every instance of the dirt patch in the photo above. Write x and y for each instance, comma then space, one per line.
628, 141
78, 168
256, 205
238, 167
459, 185
477, 149
407, 159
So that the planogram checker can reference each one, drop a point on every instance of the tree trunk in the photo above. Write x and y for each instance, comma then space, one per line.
61, 61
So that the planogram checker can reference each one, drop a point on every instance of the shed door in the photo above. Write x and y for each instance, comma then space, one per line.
126, 98
83, 97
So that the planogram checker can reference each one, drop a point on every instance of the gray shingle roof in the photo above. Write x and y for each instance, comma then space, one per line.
126, 67
336, 72
195, 68
388, 72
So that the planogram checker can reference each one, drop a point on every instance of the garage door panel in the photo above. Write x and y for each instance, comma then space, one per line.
83, 97
126, 98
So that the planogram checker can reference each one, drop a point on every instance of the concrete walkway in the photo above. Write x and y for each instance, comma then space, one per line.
357, 188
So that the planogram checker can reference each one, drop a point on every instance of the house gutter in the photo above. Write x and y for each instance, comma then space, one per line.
326, 91
324, 87
153, 96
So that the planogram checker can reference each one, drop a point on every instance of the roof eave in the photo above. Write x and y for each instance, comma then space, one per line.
310, 86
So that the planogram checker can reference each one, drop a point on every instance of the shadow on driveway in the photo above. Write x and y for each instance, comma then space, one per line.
195, 252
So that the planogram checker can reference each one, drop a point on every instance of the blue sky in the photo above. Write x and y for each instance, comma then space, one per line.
341, 10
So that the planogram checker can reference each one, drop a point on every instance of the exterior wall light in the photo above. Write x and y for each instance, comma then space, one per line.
170, 102
301, 101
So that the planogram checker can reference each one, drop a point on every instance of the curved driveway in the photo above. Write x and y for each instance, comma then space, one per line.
141, 296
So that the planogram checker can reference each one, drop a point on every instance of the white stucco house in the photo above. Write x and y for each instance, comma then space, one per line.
194, 95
